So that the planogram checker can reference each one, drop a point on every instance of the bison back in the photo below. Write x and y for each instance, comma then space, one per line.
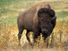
28, 19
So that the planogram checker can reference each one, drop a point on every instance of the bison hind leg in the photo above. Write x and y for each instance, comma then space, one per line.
20, 27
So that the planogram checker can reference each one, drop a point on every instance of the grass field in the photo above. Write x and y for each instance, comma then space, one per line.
9, 10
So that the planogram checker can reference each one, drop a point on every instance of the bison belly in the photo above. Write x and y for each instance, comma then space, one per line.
27, 23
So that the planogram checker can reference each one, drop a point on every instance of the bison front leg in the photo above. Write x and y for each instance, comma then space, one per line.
35, 36
45, 39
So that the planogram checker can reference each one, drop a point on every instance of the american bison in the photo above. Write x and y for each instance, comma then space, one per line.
40, 19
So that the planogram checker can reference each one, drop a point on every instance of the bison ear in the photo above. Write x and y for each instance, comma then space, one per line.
52, 13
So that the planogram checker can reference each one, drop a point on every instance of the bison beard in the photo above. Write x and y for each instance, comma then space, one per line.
44, 23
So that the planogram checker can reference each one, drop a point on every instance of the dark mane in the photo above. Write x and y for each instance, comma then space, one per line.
48, 11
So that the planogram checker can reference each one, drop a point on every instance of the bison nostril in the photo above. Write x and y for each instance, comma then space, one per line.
44, 30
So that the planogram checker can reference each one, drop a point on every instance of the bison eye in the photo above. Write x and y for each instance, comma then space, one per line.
51, 13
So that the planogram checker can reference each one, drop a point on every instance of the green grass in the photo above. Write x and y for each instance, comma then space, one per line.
9, 20
62, 14
9, 9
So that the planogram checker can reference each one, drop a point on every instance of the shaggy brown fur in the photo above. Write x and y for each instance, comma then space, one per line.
39, 19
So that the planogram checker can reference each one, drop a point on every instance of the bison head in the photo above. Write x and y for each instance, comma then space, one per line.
46, 16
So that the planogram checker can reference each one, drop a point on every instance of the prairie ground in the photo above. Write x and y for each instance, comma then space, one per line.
9, 10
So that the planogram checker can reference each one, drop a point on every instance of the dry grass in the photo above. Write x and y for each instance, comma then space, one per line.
9, 40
